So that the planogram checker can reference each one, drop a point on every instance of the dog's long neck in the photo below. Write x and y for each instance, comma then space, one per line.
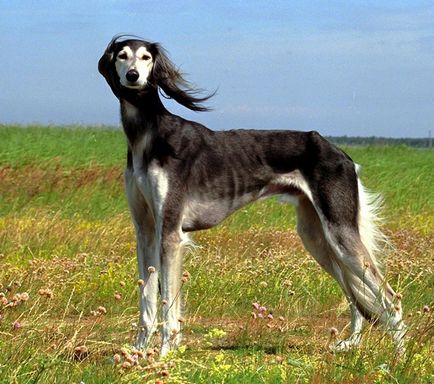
141, 115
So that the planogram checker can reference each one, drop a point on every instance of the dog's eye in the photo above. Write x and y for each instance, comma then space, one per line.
146, 57
122, 56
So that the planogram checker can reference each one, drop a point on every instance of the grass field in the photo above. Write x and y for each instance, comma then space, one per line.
68, 280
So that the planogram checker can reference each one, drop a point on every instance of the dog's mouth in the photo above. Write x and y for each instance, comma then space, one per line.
132, 85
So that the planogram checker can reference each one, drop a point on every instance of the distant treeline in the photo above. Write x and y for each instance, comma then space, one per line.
374, 140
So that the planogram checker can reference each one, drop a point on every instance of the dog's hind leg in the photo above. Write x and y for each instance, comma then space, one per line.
339, 211
147, 260
373, 297
171, 283
311, 232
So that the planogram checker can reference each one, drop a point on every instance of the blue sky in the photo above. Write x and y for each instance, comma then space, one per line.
341, 67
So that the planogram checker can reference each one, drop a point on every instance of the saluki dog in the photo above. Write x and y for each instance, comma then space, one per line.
182, 177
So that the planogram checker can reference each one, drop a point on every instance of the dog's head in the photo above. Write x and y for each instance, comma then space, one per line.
128, 63
133, 66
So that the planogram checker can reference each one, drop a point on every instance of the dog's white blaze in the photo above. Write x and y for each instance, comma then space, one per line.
135, 61
124, 65
159, 182
153, 182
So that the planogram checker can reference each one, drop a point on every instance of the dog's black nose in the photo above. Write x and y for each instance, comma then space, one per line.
132, 75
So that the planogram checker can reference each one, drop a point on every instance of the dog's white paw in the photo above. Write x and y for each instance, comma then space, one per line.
345, 345
171, 344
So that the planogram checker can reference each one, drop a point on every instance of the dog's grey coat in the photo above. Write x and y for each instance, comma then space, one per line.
207, 175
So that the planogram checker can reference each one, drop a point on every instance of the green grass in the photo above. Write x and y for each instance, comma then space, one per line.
69, 147
64, 226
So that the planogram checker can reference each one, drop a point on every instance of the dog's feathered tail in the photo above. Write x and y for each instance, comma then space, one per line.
370, 220
371, 294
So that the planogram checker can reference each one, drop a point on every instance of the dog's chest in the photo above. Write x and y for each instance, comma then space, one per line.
150, 177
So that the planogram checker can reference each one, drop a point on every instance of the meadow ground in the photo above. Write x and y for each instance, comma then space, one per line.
258, 308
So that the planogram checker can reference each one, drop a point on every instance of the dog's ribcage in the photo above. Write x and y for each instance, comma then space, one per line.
212, 174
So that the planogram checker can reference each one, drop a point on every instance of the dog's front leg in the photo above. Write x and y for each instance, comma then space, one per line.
171, 265
148, 265
148, 260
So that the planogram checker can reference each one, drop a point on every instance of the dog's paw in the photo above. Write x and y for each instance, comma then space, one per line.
345, 345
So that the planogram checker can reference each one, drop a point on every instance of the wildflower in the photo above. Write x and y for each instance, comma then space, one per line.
426, 309
131, 359
254, 315
124, 352
101, 310
256, 306
122, 283
140, 282
126, 365
281, 318
270, 316
185, 277
24, 296
81, 352
4, 301
117, 296
279, 359
16, 324
262, 309
151, 269
263, 284
48, 293
333, 332
116, 358
81, 349
164, 373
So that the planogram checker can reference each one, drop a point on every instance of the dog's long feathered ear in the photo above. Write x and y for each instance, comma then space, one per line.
171, 81
106, 67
